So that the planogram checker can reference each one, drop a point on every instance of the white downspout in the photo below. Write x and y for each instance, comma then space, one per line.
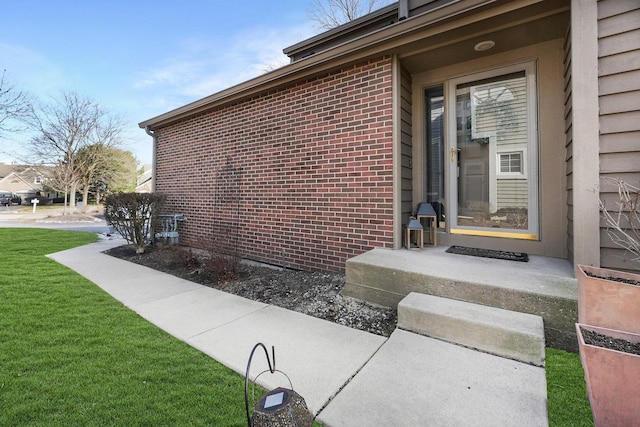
152, 134
403, 9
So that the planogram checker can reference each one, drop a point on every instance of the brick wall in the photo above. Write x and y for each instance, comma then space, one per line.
300, 177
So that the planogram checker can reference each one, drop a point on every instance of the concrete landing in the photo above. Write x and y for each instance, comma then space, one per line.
504, 333
543, 286
418, 381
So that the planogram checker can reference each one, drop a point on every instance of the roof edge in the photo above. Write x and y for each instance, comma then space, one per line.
366, 45
341, 30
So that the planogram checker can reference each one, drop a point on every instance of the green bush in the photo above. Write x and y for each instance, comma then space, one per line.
132, 215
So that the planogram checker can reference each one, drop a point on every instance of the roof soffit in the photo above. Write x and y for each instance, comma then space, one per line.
524, 27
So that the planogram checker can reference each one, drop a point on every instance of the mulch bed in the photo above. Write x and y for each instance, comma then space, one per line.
315, 293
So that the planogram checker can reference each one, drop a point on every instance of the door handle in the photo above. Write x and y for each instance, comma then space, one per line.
454, 151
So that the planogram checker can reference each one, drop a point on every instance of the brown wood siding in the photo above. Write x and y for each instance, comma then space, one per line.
406, 139
619, 104
568, 102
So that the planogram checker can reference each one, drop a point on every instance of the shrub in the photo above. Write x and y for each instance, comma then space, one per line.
623, 222
226, 268
132, 215
188, 257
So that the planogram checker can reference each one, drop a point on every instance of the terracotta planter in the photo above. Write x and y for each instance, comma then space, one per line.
612, 380
608, 303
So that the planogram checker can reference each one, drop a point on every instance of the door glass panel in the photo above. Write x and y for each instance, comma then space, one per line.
493, 143
434, 100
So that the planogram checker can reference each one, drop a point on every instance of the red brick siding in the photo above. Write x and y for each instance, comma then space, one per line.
300, 177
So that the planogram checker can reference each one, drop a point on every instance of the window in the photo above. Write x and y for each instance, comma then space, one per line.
511, 164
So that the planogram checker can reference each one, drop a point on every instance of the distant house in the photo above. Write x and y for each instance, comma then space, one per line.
507, 116
25, 181
145, 180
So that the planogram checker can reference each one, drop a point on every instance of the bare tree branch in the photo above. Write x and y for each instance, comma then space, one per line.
623, 221
329, 14
15, 106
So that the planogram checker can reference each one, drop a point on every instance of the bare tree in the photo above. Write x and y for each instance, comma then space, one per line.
329, 14
15, 106
65, 127
58, 179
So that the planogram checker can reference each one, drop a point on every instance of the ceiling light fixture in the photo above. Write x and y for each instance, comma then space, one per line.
484, 45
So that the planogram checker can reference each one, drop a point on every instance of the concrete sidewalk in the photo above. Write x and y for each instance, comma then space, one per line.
347, 377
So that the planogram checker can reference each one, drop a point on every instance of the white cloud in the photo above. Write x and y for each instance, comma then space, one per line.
203, 67
170, 74
206, 67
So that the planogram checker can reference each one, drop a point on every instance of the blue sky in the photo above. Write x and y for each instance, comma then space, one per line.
141, 58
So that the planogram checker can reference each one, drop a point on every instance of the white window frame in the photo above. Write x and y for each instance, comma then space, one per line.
512, 175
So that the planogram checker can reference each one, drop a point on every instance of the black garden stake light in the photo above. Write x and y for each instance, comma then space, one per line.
281, 407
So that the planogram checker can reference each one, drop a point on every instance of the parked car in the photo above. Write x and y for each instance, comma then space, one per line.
9, 199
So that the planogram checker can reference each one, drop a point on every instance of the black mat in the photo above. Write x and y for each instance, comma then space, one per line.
489, 253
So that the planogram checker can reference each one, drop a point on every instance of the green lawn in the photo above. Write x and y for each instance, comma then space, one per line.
72, 355
566, 390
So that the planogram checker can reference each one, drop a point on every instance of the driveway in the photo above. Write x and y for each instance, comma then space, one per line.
19, 217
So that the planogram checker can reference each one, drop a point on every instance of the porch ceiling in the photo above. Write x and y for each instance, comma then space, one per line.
535, 24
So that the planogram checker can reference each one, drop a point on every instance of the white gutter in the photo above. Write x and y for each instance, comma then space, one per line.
152, 134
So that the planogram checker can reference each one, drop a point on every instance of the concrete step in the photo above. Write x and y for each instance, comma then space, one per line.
543, 286
517, 336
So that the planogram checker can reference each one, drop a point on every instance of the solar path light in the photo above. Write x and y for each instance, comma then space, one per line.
282, 407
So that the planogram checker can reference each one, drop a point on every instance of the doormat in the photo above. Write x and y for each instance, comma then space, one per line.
489, 253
